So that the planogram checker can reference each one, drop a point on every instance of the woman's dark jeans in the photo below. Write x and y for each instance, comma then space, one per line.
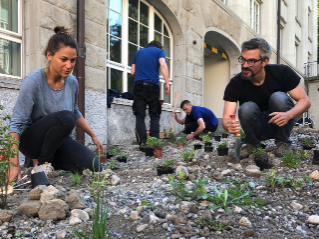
255, 123
48, 140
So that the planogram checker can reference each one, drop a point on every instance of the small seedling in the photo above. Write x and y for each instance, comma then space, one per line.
308, 142
155, 143
168, 163
146, 204
202, 135
189, 156
76, 179
170, 136
225, 132
217, 226
202, 223
223, 145
113, 165
217, 134
206, 138
290, 160
242, 133
122, 155
182, 140
258, 153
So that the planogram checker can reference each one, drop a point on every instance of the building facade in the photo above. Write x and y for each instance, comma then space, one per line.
201, 39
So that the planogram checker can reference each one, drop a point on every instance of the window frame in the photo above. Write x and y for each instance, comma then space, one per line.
17, 38
255, 15
125, 66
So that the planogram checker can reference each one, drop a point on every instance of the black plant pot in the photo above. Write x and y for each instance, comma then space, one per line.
142, 149
263, 146
208, 149
262, 164
224, 136
308, 147
315, 159
197, 146
149, 152
122, 159
217, 138
222, 151
109, 155
208, 144
39, 179
161, 170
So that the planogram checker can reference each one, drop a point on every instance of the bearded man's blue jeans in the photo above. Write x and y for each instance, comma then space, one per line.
255, 124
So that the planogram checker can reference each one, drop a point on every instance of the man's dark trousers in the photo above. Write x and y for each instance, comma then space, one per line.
146, 94
191, 125
255, 123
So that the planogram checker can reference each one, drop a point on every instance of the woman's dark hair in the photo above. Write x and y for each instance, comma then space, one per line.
156, 44
60, 39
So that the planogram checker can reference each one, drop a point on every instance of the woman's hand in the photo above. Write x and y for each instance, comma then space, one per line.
15, 172
98, 144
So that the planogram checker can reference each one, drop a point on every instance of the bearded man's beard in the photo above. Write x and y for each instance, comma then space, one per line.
248, 77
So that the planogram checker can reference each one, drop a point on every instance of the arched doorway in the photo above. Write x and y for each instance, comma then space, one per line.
220, 65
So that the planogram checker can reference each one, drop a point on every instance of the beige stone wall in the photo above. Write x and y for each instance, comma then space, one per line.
314, 99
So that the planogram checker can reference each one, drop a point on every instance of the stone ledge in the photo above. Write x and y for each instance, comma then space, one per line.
10, 82
121, 101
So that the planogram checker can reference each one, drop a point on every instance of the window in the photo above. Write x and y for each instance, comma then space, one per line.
296, 53
224, 1
254, 15
131, 25
10, 38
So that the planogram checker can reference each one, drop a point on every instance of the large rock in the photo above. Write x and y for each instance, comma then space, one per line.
83, 215
74, 201
115, 180
55, 209
30, 207
50, 193
184, 207
180, 219
296, 206
6, 215
74, 221
205, 215
226, 172
35, 194
61, 234
252, 171
134, 215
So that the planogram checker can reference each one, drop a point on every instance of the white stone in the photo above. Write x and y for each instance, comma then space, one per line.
226, 172
83, 215
61, 234
184, 207
314, 175
237, 167
159, 181
296, 206
153, 218
115, 180
74, 221
244, 222
166, 180
181, 169
314, 219
49, 193
252, 171
261, 187
134, 215
141, 227
237, 209
206, 203
123, 211
206, 156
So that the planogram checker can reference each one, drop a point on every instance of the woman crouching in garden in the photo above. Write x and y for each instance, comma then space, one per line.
46, 112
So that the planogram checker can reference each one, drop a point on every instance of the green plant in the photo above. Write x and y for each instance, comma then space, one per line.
111, 151
206, 138
113, 165
7, 141
225, 132
202, 135
117, 150
258, 152
217, 226
20, 234
100, 213
308, 142
168, 163
154, 143
217, 134
223, 145
242, 133
183, 193
272, 180
146, 204
302, 154
171, 137
76, 179
122, 155
182, 140
202, 223
290, 160
189, 155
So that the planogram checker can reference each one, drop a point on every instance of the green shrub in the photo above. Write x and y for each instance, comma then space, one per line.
155, 143
189, 156
290, 160
217, 134
258, 152
168, 163
223, 145
206, 138
76, 179
182, 140
242, 133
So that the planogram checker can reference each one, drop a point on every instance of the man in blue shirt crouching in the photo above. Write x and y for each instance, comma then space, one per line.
197, 119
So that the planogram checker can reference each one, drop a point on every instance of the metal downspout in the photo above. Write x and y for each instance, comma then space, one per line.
80, 69
278, 30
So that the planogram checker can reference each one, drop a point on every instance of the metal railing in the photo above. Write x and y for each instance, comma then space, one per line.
311, 69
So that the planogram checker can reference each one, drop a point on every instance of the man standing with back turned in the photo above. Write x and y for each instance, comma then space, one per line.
265, 111
145, 67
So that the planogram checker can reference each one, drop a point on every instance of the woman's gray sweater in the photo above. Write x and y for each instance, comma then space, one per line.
37, 99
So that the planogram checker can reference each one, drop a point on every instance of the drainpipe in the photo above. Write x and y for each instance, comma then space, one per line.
278, 31
80, 69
